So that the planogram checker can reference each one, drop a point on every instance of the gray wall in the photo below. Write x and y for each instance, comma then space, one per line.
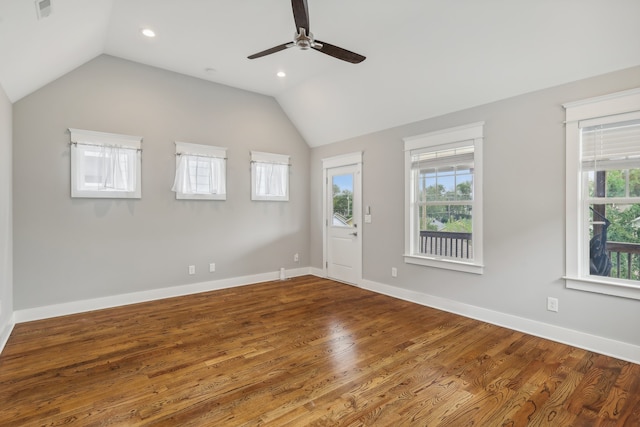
524, 220
6, 245
74, 249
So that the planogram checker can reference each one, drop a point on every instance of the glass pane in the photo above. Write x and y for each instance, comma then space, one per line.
200, 175
445, 230
342, 200
614, 240
611, 159
634, 183
448, 183
464, 183
614, 183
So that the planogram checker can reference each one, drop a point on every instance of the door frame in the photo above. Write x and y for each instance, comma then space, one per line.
351, 159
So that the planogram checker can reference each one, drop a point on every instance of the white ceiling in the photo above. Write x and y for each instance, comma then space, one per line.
424, 57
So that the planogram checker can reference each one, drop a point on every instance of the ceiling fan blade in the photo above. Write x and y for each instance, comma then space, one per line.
270, 51
300, 14
340, 53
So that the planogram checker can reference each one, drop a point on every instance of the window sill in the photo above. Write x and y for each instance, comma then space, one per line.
447, 264
105, 194
183, 196
270, 199
603, 286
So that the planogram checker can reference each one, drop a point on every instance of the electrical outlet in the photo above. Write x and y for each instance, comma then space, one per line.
552, 304
296, 258
192, 270
212, 267
394, 272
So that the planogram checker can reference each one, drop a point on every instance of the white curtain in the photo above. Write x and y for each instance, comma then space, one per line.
106, 168
271, 179
200, 175
116, 168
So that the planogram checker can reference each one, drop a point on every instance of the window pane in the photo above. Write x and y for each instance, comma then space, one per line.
206, 175
464, 184
611, 159
342, 200
445, 183
614, 183
200, 175
445, 230
614, 240
634, 183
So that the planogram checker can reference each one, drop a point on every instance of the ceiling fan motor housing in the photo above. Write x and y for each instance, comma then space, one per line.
304, 41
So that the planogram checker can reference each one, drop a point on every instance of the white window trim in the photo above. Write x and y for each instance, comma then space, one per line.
186, 148
279, 159
88, 137
602, 108
471, 132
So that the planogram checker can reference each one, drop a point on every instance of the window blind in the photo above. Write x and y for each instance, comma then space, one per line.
454, 155
611, 146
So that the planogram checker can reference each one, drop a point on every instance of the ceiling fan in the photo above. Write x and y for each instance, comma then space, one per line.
304, 39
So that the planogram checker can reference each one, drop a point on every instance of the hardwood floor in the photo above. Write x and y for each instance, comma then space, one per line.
307, 351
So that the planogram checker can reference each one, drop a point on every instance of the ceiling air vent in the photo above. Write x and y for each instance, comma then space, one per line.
43, 8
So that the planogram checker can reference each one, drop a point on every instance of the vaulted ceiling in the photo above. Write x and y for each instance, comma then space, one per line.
424, 57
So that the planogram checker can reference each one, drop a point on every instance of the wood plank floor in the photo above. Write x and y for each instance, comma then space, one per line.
303, 352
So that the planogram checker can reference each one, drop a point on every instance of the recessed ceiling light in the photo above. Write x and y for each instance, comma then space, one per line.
281, 74
148, 32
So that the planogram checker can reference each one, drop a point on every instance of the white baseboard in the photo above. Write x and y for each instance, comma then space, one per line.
606, 346
6, 332
45, 312
318, 272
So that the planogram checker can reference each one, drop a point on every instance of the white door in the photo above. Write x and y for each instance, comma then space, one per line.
344, 231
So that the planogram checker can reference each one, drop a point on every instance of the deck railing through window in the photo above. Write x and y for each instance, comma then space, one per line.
444, 243
625, 260
625, 257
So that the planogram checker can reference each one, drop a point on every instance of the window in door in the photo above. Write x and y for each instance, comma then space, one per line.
342, 189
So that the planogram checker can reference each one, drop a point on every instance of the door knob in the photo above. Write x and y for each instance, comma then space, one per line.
354, 233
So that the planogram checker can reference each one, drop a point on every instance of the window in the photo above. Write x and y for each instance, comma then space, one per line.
342, 200
443, 197
269, 176
105, 165
603, 194
200, 172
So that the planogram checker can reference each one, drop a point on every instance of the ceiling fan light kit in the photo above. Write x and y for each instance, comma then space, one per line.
304, 40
